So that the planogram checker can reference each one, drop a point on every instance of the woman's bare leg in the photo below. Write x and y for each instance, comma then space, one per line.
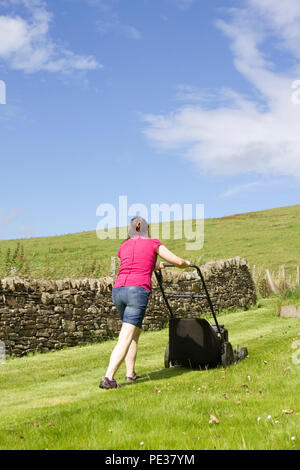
131, 354
125, 338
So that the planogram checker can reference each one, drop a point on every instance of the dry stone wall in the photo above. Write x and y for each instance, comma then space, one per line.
48, 315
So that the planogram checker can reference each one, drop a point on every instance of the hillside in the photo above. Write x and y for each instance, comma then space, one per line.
268, 239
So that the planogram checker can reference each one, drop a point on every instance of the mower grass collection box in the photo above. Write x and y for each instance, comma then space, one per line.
194, 342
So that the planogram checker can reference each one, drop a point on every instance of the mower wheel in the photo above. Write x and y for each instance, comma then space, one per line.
167, 356
228, 355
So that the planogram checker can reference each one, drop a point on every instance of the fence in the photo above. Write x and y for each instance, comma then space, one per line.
276, 282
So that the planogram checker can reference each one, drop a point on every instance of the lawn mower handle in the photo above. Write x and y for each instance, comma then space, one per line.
166, 265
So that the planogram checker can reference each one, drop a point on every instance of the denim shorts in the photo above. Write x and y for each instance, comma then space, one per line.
131, 303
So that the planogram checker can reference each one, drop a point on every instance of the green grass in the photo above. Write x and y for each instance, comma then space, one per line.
52, 401
266, 238
290, 297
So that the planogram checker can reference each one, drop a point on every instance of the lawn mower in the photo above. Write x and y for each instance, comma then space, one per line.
194, 342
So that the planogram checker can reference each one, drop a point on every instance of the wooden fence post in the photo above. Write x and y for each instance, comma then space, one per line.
271, 283
282, 272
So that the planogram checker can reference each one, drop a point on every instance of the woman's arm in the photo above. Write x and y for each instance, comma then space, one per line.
171, 258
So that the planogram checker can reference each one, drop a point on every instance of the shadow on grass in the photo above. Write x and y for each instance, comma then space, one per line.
163, 374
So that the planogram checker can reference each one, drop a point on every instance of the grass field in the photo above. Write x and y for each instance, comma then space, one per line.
267, 239
52, 401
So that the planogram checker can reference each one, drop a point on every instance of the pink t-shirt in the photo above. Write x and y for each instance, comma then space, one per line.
138, 260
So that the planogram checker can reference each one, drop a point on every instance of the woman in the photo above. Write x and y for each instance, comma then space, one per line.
131, 293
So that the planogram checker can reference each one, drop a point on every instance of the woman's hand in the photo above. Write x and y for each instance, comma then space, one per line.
159, 265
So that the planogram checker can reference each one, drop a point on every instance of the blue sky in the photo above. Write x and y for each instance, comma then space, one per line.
165, 101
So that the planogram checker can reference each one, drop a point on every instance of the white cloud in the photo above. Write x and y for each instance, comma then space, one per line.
131, 32
283, 18
26, 231
183, 4
190, 93
240, 135
6, 219
110, 21
26, 44
112, 24
240, 188
280, 184
13, 34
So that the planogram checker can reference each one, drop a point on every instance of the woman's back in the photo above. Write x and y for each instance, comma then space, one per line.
138, 258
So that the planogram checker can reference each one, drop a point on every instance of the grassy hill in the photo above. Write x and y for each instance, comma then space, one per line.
268, 239
52, 401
